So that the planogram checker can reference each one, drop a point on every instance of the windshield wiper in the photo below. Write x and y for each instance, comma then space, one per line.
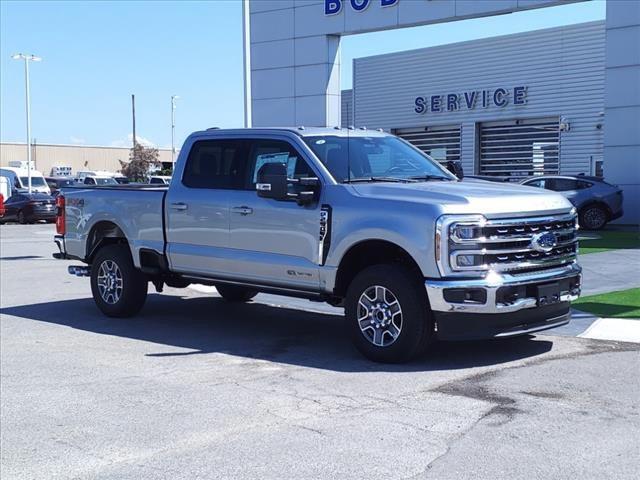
426, 178
378, 179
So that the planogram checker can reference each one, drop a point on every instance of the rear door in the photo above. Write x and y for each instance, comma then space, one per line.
197, 207
274, 242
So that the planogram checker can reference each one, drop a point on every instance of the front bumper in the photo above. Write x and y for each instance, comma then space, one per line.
502, 304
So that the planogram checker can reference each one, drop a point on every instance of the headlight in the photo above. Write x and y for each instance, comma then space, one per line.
463, 233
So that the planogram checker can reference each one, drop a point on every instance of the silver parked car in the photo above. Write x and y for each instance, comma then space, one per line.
597, 201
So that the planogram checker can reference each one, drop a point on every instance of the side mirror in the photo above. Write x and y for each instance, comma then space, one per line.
272, 181
455, 167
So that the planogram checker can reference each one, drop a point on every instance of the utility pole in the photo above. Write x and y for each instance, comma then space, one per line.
27, 59
173, 131
133, 114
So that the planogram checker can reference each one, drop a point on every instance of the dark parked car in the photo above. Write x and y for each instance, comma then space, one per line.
27, 208
597, 201
56, 183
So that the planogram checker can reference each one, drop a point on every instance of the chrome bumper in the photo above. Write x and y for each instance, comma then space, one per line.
62, 248
492, 283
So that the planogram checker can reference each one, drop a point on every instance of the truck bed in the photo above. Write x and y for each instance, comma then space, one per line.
137, 210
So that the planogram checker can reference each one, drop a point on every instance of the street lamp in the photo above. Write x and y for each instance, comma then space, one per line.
27, 59
173, 131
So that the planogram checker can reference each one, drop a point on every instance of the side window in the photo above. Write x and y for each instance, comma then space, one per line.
262, 152
564, 184
536, 183
214, 164
89, 181
582, 184
155, 181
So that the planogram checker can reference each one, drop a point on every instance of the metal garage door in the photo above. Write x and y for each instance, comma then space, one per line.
441, 143
520, 148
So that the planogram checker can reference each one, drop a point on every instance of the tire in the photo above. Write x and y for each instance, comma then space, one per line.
593, 217
21, 218
125, 300
232, 293
414, 319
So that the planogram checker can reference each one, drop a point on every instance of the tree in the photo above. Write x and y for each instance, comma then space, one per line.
141, 160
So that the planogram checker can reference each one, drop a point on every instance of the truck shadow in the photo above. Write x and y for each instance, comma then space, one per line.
206, 325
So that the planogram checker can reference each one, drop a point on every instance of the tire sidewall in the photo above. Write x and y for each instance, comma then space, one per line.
416, 318
134, 282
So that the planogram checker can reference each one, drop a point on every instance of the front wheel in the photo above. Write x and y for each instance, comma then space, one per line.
119, 289
387, 314
22, 220
233, 293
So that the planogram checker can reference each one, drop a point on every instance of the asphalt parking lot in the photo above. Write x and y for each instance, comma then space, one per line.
197, 388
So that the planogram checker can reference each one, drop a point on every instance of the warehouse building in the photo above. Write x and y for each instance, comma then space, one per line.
507, 106
78, 157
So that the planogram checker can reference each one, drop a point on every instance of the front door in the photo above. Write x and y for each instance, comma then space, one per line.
275, 242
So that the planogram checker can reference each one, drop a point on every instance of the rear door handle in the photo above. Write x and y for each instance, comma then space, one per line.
179, 206
242, 210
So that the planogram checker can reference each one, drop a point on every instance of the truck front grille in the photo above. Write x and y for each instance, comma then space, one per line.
476, 244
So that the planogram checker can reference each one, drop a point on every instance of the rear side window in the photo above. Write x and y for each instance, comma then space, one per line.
561, 184
214, 164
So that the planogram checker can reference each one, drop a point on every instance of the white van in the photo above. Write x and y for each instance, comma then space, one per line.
5, 188
19, 179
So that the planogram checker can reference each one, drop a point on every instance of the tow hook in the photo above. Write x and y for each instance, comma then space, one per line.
79, 271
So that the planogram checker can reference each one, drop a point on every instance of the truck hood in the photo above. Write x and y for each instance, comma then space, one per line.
469, 197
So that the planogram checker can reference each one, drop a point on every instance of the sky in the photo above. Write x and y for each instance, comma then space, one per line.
96, 54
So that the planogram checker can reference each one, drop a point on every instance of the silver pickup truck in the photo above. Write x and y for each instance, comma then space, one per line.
355, 218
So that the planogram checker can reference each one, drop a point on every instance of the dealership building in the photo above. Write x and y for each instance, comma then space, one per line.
560, 100
508, 106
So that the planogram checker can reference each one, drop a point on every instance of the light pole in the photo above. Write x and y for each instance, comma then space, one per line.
173, 131
27, 59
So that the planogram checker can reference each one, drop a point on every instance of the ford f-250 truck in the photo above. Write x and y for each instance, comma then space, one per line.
356, 218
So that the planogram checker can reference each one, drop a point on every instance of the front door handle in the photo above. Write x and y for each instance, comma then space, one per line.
242, 210
179, 206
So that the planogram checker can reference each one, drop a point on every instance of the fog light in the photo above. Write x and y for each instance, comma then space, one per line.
468, 260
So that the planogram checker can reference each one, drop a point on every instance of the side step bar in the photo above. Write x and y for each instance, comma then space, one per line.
79, 271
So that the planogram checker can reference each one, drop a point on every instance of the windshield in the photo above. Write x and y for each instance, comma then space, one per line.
387, 158
106, 181
35, 181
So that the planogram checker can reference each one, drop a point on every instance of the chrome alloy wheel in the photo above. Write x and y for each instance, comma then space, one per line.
379, 316
110, 282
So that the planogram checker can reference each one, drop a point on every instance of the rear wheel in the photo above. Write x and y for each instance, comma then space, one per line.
387, 314
593, 217
233, 293
119, 289
21, 218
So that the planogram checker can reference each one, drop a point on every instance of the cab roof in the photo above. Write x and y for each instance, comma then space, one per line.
301, 131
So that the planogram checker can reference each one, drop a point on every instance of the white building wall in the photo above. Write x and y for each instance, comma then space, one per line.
295, 48
622, 103
562, 68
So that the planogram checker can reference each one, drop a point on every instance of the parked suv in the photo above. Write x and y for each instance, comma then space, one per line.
356, 218
597, 201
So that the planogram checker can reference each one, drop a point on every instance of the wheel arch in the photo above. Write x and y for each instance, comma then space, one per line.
103, 232
366, 253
